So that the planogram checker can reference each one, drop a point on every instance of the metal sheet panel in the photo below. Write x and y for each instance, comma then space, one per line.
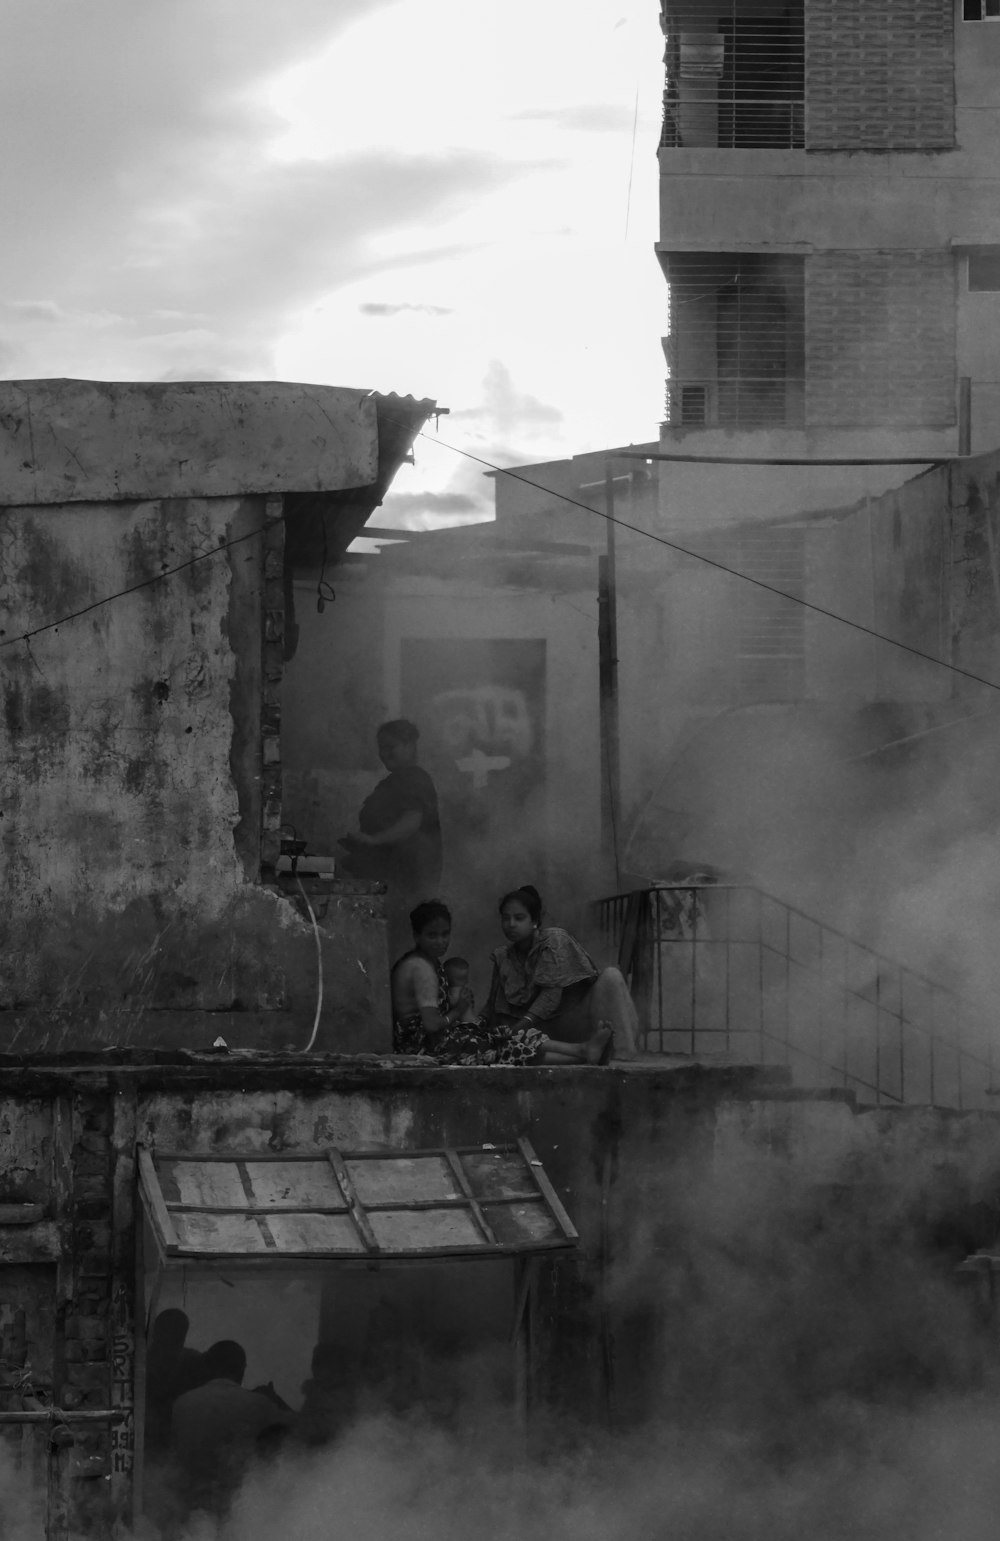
294, 1184
425, 1230
315, 1233
498, 1174
380, 1204
402, 1179
521, 1225
217, 1184
232, 1234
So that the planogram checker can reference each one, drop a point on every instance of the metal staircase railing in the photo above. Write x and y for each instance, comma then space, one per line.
729, 970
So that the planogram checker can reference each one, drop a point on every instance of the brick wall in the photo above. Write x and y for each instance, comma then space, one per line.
880, 77
880, 339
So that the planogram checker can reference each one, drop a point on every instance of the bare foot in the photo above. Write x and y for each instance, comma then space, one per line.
599, 1045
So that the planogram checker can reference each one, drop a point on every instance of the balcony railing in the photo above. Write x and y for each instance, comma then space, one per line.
748, 123
761, 401
732, 971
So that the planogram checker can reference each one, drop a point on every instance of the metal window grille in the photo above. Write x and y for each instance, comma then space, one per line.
735, 75
694, 404
759, 650
736, 339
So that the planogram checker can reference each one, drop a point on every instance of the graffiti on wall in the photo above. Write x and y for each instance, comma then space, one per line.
485, 729
480, 707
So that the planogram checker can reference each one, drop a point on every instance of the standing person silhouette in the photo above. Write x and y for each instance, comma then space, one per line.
398, 838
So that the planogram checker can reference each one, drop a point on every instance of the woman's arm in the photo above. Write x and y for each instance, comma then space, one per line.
404, 828
426, 987
490, 1009
560, 963
434, 1020
544, 1005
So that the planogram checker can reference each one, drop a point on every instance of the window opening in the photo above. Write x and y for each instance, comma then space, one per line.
758, 648
736, 340
735, 75
981, 10
984, 267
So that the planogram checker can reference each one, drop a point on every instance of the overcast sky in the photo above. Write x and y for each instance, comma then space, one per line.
426, 196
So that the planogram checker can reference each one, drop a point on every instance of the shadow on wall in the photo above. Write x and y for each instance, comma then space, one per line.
812, 1364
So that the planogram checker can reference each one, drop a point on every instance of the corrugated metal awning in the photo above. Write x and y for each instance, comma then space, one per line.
479, 1200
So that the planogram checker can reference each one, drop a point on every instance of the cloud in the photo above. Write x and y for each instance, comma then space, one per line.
140, 184
242, 260
510, 413
590, 117
430, 502
463, 495
380, 308
36, 310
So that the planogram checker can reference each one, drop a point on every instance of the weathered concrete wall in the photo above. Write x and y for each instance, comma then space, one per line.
75, 440
663, 1174
739, 1244
139, 772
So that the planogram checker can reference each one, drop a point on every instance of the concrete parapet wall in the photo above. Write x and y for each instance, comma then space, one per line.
739, 1241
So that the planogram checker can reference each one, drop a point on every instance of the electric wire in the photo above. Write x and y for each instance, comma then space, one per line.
563, 497
631, 163
319, 965
697, 556
144, 583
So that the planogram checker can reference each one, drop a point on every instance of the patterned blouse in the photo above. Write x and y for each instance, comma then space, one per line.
536, 979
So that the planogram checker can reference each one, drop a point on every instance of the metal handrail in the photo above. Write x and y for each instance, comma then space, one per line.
827, 973
739, 123
730, 401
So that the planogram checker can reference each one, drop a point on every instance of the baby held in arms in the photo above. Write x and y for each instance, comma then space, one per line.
460, 996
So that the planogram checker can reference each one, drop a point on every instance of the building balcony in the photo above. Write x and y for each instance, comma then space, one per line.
740, 73
760, 401
739, 123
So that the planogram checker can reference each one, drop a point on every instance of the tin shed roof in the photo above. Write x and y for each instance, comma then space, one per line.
478, 1200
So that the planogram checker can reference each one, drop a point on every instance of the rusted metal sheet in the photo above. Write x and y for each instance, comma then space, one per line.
315, 1233
219, 1233
426, 1230
480, 1200
400, 1180
66, 441
294, 1183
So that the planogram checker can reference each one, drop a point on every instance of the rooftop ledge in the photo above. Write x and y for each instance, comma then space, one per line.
87, 441
180, 1071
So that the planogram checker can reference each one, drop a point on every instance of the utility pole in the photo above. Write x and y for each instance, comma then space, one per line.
607, 644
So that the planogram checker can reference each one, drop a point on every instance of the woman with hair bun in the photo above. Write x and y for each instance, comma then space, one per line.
543, 978
426, 1022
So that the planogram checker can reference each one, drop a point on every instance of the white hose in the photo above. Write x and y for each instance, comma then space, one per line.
319, 966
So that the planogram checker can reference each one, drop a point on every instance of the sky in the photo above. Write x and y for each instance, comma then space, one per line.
449, 198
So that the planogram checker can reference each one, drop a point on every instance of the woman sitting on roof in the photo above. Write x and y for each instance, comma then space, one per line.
425, 1022
544, 979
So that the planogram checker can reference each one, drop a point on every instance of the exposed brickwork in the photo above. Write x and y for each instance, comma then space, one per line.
880, 339
880, 77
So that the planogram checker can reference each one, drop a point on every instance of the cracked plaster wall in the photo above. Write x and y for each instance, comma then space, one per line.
130, 793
